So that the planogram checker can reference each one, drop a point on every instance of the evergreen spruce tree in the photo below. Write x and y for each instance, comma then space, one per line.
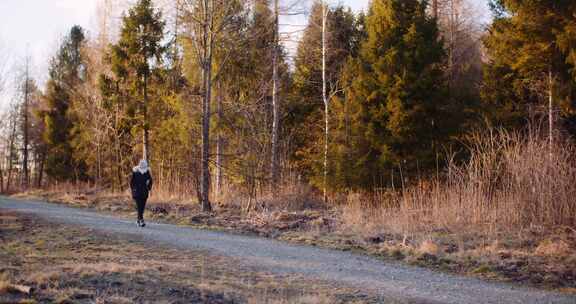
134, 59
396, 100
66, 74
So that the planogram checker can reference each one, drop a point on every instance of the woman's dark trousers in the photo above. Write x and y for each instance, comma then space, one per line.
141, 204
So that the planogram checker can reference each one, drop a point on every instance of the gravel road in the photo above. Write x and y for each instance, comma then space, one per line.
368, 274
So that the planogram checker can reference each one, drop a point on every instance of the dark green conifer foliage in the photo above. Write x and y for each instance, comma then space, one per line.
394, 115
528, 42
66, 73
306, 111
133, 61
246, 84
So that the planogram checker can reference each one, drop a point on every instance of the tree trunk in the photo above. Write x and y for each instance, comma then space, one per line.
9, 178
118, 154
145, 139
11, 152
219, 143
207, 80
41, 169
347, 143
435, 9
550, 113
325, 99
118, 167
26, 179
275, 102
451, 46
98, 163
1, 179
195, 174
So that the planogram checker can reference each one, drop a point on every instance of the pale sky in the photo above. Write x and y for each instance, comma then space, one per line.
35, 26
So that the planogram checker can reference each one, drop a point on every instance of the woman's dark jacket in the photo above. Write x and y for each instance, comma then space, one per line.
141, 184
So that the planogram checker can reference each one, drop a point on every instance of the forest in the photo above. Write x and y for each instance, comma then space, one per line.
423, 112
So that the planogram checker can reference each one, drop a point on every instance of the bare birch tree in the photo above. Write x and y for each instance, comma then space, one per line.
275, 170
325, 99
219, 142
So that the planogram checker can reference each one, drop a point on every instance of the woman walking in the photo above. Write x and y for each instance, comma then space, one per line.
141, 184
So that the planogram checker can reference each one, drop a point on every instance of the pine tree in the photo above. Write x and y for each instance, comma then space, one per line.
396, 102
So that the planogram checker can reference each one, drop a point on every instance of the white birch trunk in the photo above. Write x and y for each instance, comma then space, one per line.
275, 102
219, 144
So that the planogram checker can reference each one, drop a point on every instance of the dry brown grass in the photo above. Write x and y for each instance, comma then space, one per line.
5, 283
557, 248
429, 247
290, 196
511, 182
45, 277
508, 213
105, 267
305, 299
117, 299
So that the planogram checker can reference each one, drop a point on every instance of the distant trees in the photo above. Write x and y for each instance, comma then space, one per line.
25, 141
460, 26
22, 146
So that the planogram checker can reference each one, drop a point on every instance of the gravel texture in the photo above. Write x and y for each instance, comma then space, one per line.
386, 279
